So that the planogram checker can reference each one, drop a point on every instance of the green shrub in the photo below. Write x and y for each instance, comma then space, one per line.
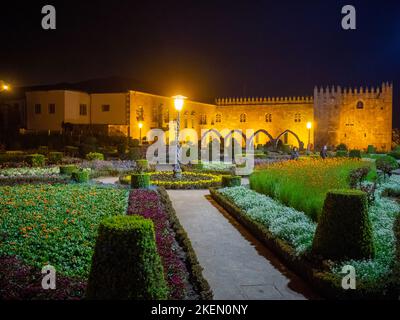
355, 154
81, 175
231, 181
198, 165
55, 157
341, 154
341, 147
121, 149
36, 160
12, 156
125, 263
94, 156
135, 143
395, 154
357, 176
142, 165
134, 153
68, 169
140, 181
371, 149
344, 230
386, 164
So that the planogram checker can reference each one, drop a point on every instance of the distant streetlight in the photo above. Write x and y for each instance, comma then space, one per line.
309, 126
140, 132
4, 86
178, 102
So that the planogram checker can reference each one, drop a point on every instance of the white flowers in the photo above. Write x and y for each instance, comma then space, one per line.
29, 172
284, 222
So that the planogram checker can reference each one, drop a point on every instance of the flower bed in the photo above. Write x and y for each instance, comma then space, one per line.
290, 234
303, 184
44, 224
27, 175
189, 180
149, 204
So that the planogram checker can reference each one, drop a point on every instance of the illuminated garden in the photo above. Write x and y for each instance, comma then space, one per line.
79, 215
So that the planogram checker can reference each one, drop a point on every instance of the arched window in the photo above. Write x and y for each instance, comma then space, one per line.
243, 117
218, 118
297, 117
360, 105
268, 117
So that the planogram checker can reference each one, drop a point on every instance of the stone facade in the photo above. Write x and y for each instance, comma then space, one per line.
357, 118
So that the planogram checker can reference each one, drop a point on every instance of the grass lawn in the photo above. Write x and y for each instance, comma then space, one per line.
303, 184
43, 224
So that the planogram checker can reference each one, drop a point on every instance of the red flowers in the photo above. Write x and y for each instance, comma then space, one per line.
147, 204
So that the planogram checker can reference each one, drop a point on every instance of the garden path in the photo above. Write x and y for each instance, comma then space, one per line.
236, 265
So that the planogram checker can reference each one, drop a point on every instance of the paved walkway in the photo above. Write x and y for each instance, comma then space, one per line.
235, 264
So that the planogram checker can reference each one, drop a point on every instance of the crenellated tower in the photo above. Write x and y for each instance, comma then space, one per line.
357, 117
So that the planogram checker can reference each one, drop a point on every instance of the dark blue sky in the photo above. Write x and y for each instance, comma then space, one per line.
205, 49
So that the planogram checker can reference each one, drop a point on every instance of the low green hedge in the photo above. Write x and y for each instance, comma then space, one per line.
355, 154
142, 165
341, 154
94, 156
125, 263
68, 169
307, 266
55, 157
140, 180
14, 158
344, 230
36, 160
81, 175
196, 270
231, 181
371, 149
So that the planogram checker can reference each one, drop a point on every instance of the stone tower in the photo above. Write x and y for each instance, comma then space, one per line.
355, 117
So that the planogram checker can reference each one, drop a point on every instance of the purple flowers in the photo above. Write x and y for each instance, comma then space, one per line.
147, 204
26, 282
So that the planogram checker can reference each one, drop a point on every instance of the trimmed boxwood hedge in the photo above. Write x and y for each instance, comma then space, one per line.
81, 176
94, 156
196, 270
55, 157
341, 154
307, 266
68, 169
231, 181
140, 180
125, 262
142, 165
36, 160
355, 154
344, 230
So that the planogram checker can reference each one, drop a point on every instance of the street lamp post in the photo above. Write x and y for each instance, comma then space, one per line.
140, 132
309, 126
178, 102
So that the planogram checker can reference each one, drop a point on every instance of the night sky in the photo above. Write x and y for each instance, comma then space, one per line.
204, 49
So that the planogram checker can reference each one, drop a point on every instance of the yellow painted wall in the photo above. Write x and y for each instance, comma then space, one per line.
118, 108
73, 100
45, 121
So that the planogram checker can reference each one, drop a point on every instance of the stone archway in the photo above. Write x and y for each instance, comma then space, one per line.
261, 131
301, 143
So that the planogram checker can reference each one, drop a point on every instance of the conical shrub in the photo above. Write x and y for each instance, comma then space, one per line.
125, 263
344, 230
